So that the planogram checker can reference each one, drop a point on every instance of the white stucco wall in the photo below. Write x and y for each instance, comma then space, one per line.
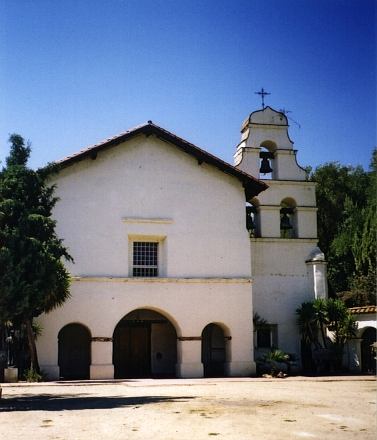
352, 357
281, 283
189, 304
364, 321
147, 189
302, 192
150, 179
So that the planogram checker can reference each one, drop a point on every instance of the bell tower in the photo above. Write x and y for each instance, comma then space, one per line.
288, 268
288, 208
265, 141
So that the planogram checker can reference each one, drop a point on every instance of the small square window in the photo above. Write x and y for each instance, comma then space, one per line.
145, 259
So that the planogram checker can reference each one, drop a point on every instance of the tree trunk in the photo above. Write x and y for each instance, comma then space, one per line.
34, 364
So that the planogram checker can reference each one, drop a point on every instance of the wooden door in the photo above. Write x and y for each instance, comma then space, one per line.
132, 350
213, 351
74, 352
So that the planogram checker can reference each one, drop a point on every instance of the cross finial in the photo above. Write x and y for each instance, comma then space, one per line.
262, 93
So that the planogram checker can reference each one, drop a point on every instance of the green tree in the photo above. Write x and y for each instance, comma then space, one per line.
33, 278
314, 318
307, 323
365, 251
347, 229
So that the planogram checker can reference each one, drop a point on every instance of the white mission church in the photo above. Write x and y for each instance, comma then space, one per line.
176, 250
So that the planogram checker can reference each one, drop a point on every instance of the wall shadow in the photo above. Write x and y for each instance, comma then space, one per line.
66, 402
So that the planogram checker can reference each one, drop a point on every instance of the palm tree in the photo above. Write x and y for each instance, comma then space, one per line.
307, 323
321, 318
342, 325
322, 315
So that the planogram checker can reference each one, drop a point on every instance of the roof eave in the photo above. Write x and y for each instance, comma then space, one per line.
252, 185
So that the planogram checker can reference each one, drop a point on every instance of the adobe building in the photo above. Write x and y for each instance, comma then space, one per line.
176, 250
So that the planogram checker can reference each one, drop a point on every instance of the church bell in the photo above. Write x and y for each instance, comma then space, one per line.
265, 167
285, 222
250, 225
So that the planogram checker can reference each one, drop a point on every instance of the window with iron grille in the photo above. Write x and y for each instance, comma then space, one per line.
145, 259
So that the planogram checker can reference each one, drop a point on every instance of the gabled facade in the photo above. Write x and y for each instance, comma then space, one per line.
167, 275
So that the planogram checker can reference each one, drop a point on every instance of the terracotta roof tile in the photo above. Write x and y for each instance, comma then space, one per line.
363, 309
252, 185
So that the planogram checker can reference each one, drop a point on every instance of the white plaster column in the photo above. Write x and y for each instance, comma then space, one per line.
306, 221
102, 358
352, 355
190, 357
269, 221
317, 271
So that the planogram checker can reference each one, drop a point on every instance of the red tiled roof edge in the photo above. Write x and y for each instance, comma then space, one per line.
252, 185
363, 309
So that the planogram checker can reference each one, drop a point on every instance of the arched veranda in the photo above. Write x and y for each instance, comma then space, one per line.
144, 345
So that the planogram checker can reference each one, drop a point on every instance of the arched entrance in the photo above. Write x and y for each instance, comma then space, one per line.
144, 345
213, 351
74, 352
368, 361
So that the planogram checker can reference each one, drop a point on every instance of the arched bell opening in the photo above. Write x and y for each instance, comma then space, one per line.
253, 218
368, 350
214, 350
288, 218
74, 352
267, 155
144, 345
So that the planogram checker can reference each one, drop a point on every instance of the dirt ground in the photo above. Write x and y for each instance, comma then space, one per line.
234, 408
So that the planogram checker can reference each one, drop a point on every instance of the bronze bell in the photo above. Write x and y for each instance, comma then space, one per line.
285, 223
265, 166
250, 225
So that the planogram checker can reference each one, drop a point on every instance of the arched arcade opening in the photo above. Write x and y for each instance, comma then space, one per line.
144, 345
214, 350
74, 352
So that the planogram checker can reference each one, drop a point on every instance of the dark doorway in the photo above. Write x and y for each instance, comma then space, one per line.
213, 351
74, 352
144, 345
131, 355
368, 361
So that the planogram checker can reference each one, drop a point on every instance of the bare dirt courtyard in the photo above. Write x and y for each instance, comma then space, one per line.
234, 408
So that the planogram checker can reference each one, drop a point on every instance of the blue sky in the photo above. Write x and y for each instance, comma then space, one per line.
77, 71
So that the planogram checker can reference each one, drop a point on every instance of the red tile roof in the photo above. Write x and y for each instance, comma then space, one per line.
252, 185
363, 309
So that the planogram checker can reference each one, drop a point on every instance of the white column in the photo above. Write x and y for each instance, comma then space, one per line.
269, 221
102, 358
352, 355
318, 271
190, 357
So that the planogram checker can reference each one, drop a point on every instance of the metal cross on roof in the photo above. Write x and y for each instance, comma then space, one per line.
262, 93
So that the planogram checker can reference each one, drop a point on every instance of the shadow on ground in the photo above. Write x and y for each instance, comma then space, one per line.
54, 402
